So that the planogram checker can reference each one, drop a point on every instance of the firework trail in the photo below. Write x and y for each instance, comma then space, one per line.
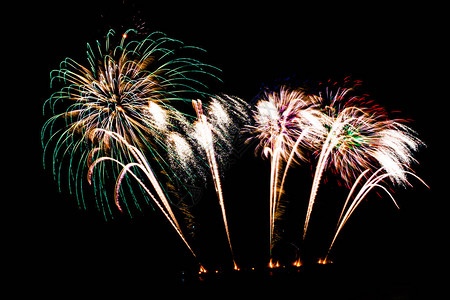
132, 89
283, 121
360, 136
142, 164
374, 181
217, 121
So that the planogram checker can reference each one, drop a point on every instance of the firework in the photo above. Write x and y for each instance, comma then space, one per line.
374, 181
141, 163
130, 88
283, 121
359, 136
215, 126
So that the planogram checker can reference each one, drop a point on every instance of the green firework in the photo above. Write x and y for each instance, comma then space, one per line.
132, 88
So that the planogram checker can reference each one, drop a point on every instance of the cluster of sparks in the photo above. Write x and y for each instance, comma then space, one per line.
121, 118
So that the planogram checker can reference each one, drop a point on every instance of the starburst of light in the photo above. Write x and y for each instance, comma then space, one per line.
132, 88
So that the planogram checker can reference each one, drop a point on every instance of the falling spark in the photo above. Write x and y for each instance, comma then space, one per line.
142, 164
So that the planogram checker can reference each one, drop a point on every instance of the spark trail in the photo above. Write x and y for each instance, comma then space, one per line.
141, 163
205, 139
360, 136
374, 181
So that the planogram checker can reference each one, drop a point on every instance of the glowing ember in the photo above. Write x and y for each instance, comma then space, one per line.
273, 265
297, 263
202, 270
324, 261
236, 268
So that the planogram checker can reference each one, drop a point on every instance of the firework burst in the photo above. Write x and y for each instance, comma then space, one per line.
282, 121
118, 116
132, 89
359, 136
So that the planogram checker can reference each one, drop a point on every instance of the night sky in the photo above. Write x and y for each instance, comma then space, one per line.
394, 51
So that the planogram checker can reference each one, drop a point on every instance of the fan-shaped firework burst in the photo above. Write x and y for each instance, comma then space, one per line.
280, 118
131, 89
359, 136
283, 120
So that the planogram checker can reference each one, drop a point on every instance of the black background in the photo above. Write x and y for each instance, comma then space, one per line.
395, 51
